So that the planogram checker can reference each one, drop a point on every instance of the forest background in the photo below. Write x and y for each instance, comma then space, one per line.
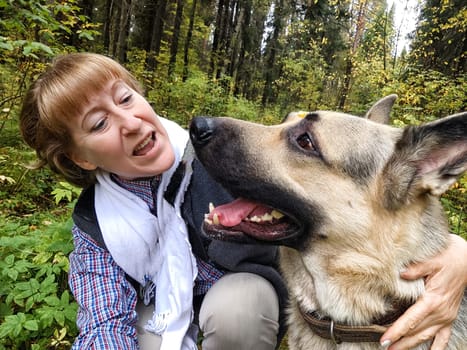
254, 60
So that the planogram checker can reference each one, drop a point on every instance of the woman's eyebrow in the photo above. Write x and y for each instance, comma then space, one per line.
86, 115
87, 112
118, 84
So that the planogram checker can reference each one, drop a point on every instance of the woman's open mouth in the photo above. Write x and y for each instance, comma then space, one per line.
145, 146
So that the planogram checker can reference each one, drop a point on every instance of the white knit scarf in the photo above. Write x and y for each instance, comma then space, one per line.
156, 249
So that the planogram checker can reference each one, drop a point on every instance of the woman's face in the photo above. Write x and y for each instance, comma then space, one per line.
119, 132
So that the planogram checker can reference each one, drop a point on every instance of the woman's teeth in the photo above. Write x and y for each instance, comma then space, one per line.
143, 144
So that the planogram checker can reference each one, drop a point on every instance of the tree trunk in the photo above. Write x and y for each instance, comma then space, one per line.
114, 31
359, 29
124, 25
346, 85
252, 70
157, 33
273, 47
245, 23
217, 38
188, 41
225, 38
142, 23
175, 37
106, 26
238, 74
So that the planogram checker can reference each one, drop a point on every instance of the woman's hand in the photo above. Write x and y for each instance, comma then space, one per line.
433, 313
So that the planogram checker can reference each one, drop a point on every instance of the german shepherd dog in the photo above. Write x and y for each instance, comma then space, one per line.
350, 200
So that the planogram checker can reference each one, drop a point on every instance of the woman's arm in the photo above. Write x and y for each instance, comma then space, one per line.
433, 313
106, 299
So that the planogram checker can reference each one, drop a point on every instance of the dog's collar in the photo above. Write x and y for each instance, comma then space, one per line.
339, 333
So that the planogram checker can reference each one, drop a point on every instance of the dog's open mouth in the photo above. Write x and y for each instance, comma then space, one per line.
243, 219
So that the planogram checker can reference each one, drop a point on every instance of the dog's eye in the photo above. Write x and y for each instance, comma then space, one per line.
305, 142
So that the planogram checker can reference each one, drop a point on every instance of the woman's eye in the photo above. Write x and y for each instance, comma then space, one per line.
126, 99
99, 125
305, 142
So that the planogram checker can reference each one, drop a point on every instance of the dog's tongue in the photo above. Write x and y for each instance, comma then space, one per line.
232, 214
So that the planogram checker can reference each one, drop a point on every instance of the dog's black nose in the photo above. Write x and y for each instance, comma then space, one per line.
201, 130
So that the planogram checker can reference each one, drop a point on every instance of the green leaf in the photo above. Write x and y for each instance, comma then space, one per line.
70, 312
65, 299
46, 316
10, 259
31, 325
36, 47
29, 304
66, 191
5, 329
35, 285
85, 35
6, 46
52, 300
60, 318
13, 274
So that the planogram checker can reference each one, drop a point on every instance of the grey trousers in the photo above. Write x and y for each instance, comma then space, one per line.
240, 312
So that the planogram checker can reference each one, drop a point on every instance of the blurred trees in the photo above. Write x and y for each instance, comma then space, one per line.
273, 53
440, 41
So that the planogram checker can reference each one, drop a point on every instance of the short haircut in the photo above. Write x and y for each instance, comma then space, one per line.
58, 96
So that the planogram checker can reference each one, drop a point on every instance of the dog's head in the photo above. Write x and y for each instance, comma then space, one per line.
324, 172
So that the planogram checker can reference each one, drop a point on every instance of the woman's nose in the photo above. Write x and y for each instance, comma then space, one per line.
129, 122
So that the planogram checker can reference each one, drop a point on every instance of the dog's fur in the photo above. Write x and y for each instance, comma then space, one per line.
361, 200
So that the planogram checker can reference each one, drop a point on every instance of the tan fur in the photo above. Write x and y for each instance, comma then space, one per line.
374, 211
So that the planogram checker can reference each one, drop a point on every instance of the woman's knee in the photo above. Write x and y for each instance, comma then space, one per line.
146, 339
240, 311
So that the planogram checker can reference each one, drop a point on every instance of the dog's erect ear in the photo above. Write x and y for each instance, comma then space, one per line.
381, 110
428, 159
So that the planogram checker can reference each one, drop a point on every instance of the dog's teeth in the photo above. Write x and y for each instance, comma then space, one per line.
207, 220
263, 218
255, 219
277, 214
211, 207
267, 217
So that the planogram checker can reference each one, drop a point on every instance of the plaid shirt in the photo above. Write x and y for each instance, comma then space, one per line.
107, 300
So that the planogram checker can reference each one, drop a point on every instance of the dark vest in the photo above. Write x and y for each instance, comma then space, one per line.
203, 188
259, 259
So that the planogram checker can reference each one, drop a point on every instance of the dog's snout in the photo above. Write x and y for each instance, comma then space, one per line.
201, 130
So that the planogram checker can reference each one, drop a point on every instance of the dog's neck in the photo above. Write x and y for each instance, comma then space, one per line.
327, 328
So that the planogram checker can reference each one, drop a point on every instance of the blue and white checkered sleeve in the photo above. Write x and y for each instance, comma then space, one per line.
106, 316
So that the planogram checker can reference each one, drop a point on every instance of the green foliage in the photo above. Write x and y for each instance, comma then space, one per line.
35, 305
40, 28
455, 205
180, 100
26, 191
440, 38
241, 108
65, 191
36, 308
430, 94
301, 83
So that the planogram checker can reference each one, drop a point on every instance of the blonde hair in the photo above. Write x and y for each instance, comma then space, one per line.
57, 97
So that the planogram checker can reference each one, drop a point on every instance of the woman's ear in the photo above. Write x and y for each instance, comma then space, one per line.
82, 163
